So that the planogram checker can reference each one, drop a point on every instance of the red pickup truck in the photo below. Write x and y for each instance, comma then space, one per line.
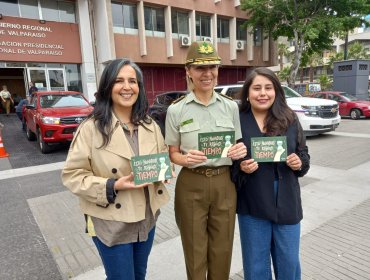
53, 116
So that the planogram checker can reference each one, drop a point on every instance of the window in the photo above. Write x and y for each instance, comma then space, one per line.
124, 18
73, 77
241, 31
223, 33
203, 26
58, 11
9, 7
180, 23
29, 8
154, 21
257, 36
67, 11
322, 96
49, 10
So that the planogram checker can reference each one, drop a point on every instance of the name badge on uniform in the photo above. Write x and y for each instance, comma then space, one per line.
186, 122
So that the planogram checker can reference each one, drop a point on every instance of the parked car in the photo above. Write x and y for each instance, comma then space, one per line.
234, 91
158, 109
315, 115
52, 117
349, 105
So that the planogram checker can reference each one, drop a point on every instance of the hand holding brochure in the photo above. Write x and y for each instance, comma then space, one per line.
269, 149
216, 144
151, 168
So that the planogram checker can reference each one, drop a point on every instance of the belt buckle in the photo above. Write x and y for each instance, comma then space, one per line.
208, 172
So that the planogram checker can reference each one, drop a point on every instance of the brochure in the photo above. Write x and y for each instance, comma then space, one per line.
269, 149
216, 144
151, 168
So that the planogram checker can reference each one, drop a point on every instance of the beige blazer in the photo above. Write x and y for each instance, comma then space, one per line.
88, 168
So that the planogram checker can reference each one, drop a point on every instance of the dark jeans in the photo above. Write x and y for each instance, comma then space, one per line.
263, 241
19, 114
126, 261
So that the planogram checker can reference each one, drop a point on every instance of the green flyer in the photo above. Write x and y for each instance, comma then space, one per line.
269, 149
216, 144
151, 168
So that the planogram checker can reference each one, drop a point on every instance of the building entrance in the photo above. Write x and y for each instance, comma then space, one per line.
13, 78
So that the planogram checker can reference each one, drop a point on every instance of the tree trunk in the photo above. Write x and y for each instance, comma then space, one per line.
301, 75
281, 63
346, 46
311, 74
298, 50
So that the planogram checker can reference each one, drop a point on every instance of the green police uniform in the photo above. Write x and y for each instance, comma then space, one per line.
205, 197
188, 117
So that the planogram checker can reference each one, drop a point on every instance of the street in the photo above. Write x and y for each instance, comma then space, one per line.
42, 233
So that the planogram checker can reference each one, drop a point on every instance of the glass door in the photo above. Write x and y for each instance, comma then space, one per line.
47, 79
38, 77
56, 79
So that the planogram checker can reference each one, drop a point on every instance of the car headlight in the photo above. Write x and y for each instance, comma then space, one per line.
368, 107
312, 111
50, 120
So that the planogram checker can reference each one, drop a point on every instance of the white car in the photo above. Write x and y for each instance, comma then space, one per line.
315, 115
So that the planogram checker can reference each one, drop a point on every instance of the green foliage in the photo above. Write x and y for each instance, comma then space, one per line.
284, 74
325, 82
357, 51
335, 57
311, 24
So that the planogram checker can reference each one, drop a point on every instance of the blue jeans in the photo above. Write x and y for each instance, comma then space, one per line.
126, 261
262, 240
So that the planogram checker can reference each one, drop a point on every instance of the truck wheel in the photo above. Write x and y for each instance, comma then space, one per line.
30, 135
44, 147
355, 114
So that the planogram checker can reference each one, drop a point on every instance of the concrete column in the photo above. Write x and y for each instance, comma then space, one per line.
168, 30
232, 28
192, 29
88, 74
214, 30
141, 25
250, 46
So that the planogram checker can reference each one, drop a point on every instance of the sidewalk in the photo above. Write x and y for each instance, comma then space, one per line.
335, 231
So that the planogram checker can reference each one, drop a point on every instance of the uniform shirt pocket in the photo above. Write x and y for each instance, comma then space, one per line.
225, 123
194, 126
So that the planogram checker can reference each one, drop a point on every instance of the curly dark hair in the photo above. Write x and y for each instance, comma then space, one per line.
103, 109
279, 116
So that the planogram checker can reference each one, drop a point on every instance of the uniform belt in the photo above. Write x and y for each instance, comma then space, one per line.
209, 171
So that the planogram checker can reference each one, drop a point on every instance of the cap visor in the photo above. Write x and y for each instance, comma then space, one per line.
210, 62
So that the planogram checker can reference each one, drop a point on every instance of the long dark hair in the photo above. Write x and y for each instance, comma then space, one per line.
279, 116
103, 111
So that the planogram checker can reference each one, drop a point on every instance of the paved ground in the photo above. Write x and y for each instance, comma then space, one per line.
42, 228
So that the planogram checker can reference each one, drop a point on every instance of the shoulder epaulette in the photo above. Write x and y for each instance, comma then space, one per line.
178, 99
226, 96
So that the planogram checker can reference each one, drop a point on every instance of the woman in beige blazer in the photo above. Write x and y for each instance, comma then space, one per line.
120, 216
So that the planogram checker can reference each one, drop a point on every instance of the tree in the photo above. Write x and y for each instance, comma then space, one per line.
284, 74
325, 82
335, 57
357, 51
282, 52
310, 24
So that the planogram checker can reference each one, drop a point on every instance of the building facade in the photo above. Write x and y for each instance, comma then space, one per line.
65, 45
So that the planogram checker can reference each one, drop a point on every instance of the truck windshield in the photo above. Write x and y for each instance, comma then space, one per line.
62, 100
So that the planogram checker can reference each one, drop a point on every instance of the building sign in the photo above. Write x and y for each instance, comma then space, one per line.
29, 40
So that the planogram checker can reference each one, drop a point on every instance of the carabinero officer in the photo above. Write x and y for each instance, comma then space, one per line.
205, 197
